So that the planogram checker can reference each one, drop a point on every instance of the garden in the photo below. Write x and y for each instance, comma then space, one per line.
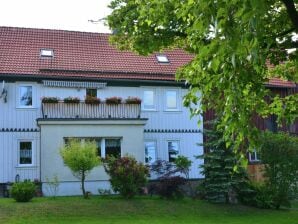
226, 195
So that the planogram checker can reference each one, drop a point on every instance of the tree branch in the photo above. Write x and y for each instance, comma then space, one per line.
292, 12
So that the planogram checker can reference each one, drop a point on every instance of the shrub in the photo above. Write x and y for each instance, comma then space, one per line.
23, 191
114, 100
169, 183
127, 176
71, 100
133, 100
92, 100
279, 153
49, 99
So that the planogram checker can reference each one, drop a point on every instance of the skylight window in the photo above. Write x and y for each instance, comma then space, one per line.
162, 58
47, 53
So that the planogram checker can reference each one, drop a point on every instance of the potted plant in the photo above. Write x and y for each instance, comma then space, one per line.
71, 99
114, 100
92, 100
49, 99
133, 100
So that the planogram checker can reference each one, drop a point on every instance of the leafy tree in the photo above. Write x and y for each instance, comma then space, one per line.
279, 153
231, 41
81, 158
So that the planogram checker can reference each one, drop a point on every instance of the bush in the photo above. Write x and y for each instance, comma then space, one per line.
279, 153
169, 184
127, 176
23, 191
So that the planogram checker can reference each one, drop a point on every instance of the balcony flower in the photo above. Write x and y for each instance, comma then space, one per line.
114, 100
49, 99
92, 100
71, 100
133, 100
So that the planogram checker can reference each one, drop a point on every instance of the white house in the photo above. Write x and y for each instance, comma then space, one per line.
36, 63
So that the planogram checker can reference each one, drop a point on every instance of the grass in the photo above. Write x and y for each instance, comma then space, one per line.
140, 210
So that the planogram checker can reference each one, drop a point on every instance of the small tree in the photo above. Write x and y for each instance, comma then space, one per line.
279, 153
81, 158
219, 163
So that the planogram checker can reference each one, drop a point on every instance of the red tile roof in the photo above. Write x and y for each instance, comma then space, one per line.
85, 55
276, 82
79, 54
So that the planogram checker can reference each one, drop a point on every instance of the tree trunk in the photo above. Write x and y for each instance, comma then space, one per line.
83, 184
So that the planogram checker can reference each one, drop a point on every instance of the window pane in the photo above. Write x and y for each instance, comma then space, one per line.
150, 152
113, 148
171, 99
148, 99
25, 152
91, 92
98, 144
26, 96
173, 149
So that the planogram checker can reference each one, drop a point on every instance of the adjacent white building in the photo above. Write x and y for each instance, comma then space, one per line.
37, 63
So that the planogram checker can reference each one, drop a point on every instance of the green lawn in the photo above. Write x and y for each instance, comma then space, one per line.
140, 210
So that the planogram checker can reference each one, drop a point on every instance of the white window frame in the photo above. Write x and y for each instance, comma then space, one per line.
155, 145
18, 95
32, 152
256, 156
154, 100
166, 108
167, 144
102, 143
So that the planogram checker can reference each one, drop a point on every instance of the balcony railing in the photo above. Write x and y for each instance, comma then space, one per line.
91, 111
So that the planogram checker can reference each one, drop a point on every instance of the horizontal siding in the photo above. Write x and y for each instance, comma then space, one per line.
188, 147
9, 156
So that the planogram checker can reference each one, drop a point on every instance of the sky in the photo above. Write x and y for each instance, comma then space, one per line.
55, 14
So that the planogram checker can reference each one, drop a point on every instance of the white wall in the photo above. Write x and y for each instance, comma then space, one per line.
20, 119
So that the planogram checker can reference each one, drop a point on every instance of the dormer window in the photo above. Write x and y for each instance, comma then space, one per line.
47, 53
162, 59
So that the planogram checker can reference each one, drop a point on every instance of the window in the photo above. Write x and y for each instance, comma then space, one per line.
91, 92
105, 146
113, 148
148, 100
46, 53
171, 100
253, 156
162, 59
25, 153
150, 152
173, 150
25, 96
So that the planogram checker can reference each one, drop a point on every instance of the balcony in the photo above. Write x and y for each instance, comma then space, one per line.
82, 110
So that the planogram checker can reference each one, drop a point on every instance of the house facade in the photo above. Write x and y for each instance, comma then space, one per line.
39, 63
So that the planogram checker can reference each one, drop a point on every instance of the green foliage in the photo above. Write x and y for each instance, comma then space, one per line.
279, 153
23, 191
231, 42
169, 182
127, 176
183, 164
81, 158
221, 177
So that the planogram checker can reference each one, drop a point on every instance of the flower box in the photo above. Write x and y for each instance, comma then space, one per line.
113, 100
92, 100
71, 100
133, 100
50, 100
